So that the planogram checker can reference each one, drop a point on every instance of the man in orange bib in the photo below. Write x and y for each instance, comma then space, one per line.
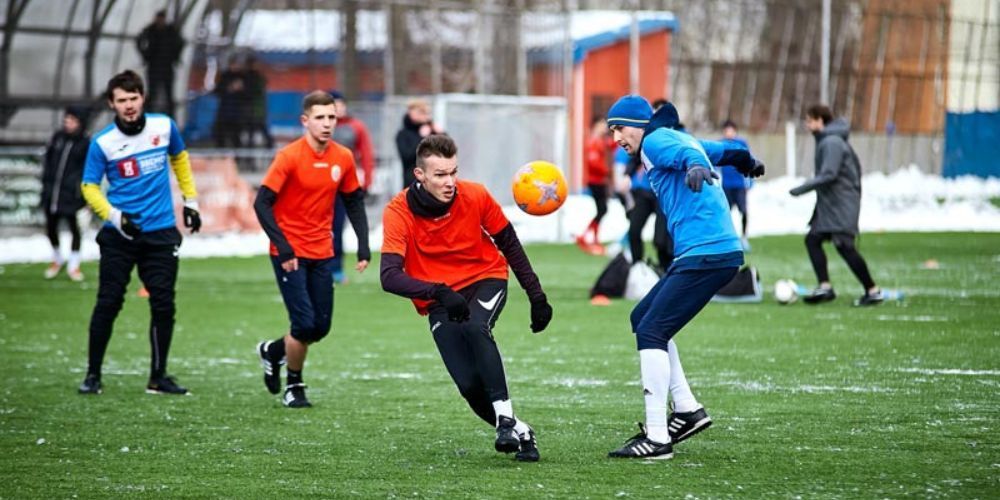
442, 247
295, 207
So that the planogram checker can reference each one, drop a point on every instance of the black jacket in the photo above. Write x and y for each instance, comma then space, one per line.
62, 172
160, 47
407, 140
837, 182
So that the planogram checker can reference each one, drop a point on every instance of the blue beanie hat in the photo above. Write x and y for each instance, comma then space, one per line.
630, 111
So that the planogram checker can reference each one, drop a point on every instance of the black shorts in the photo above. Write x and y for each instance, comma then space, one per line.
308, 296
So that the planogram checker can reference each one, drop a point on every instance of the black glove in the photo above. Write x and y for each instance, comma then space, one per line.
192, 219
129, 226
541, 314
755, 171
453, 302
697, 175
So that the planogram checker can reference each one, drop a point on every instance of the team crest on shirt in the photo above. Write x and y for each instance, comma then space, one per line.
335, 173
128, 168
155, 140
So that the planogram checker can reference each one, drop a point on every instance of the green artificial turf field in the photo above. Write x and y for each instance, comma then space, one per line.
811, 401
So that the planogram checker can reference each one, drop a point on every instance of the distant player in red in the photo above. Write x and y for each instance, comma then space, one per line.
295, 207
442, 247
595, 161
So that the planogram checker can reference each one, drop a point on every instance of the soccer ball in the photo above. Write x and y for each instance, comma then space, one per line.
785, 291
539, 188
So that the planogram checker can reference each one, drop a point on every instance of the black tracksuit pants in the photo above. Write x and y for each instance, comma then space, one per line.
155, 254
468, 349
646, 205
844, 243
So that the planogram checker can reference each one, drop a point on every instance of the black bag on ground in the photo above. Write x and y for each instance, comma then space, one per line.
611, 282
744, 287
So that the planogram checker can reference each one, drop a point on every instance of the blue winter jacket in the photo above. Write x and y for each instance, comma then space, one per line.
699, 223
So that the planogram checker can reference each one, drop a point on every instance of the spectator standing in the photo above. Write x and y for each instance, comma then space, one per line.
256, 86
61, 197
160, 44
417, 124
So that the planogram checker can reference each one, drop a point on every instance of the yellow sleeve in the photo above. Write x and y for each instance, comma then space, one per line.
181, 166
95, 198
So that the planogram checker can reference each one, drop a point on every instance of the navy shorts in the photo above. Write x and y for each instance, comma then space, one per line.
308, 296
679, 295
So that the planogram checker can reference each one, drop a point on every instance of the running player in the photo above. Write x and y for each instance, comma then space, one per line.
442, 247
295, 206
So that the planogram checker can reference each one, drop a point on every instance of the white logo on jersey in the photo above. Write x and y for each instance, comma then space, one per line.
335, 173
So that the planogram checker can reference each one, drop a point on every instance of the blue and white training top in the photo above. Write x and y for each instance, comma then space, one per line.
699, 223
137, 169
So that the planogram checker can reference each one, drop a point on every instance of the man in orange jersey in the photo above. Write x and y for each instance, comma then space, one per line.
295, 207
442, 247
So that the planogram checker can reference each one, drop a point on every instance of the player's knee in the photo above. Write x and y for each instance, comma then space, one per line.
813, 239
309, 334
110, 302
635, 318
645, 339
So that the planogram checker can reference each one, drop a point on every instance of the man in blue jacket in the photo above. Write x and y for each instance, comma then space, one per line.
735, 184
707, 255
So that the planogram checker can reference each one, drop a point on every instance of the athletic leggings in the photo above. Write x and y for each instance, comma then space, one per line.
600, 194
844, 243
468, 349
52, 229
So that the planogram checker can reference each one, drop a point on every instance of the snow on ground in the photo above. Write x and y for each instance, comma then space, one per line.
906, 200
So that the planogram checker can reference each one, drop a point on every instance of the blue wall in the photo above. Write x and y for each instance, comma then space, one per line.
972, 144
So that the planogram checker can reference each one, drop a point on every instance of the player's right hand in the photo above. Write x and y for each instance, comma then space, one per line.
125, 223
453, 302
290, 265
697, 175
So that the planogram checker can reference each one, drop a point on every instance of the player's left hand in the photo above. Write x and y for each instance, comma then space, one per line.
362, 265
697, 175
192, 218
541, 314
755, 171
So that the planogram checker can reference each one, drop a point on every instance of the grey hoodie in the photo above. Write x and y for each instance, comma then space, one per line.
837, 182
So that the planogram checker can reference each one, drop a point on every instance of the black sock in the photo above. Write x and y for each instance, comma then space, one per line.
294, 377
277, 349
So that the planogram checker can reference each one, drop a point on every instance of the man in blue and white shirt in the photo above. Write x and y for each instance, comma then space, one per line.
134, 154
707, 254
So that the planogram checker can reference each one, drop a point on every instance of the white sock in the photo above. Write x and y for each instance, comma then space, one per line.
56, 256
503, 408
684, 400
655, 367
522, 428
74, 260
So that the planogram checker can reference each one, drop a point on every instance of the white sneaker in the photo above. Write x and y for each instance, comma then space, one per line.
53, 270
75, 274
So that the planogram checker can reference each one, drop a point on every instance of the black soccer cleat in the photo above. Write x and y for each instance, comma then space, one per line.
295, 396
819, 295
685, 425
272, 369
507, 438
91, 384
529, 448
870, 299
165, 385
640, 446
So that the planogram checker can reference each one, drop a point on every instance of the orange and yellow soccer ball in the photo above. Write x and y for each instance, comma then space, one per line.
539, 188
